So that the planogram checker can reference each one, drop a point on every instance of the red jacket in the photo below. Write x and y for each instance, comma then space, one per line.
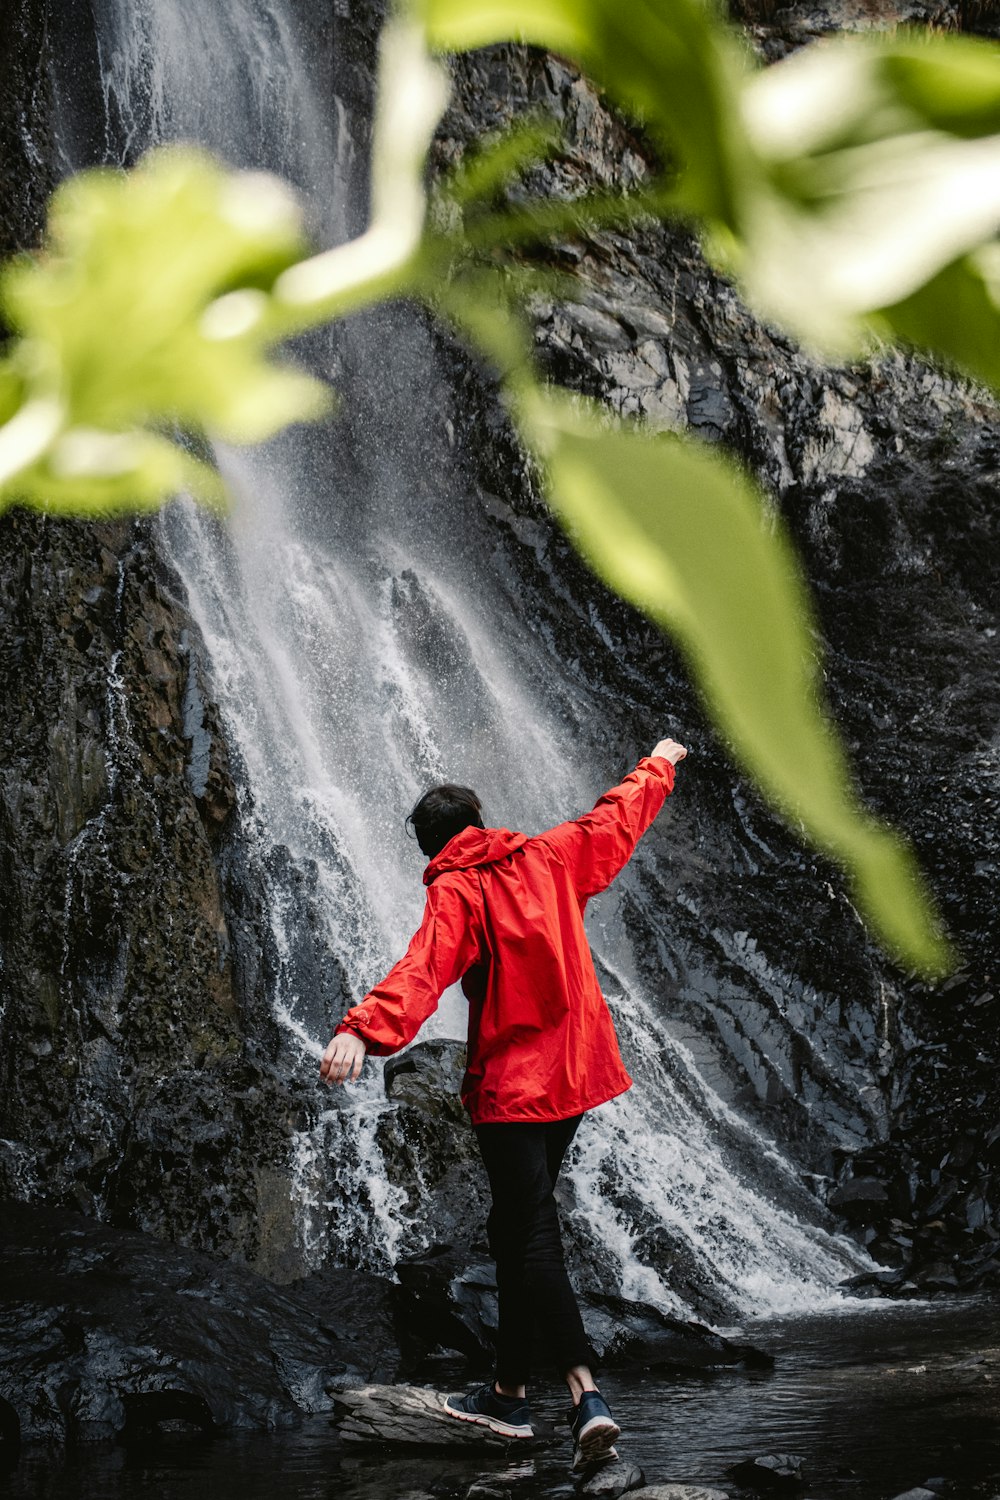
505, 914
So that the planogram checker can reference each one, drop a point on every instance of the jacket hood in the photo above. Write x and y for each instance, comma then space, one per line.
473, 846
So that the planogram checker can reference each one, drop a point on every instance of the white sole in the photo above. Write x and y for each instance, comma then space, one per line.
480, 1419
581, 1461
596, 1437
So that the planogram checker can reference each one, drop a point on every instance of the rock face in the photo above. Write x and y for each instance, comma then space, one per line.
143, 1077
139, 1081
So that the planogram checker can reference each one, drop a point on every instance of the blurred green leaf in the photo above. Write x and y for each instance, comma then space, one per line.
883, 168
957, 314
144, 310
951, 83
384, 261
87, 471
680, 532
675, 66
145, 306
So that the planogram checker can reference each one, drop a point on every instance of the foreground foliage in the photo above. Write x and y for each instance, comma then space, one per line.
853, 191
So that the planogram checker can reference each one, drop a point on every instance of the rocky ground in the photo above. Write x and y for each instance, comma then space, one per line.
104, 1332
116, 1336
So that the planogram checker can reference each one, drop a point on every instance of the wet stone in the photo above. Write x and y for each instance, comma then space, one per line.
613, 1479
771, 1474
862, 1200
679, 1492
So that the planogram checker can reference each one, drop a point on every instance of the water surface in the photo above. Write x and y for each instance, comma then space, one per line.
876, 1401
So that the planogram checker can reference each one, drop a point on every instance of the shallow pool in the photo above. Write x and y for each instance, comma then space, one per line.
875, 1401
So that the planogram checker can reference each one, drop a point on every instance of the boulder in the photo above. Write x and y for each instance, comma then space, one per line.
610, 1480
429, 1076
443, 1300
446, 1300
938, 1275
635, 1335
111, 1333
881, 1284
862, 1200
679, 1492
772, 1474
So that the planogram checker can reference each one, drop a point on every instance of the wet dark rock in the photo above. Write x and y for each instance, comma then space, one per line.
151, 1413
27, 171
429, 1077
430, 1153
10, 1436
633, 1335
920, 1493
861, 1200
357, 1311
446, 1300
772, 1474
613, 1479
679, 1492
937, 1276
108, 1333
442, 1300
881, 1283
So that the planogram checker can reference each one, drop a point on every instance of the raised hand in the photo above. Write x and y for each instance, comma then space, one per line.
669, 750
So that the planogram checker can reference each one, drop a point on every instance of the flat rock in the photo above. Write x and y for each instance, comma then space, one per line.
679, 1492
919, 1494
410, 1415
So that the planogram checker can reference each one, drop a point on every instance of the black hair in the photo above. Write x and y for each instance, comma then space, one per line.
441, 813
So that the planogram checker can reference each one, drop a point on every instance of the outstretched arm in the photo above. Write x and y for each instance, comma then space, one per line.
597, 846
390, 1015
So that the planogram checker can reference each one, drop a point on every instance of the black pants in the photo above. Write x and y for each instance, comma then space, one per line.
536, 1299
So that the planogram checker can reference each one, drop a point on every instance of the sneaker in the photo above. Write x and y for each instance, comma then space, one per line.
593, 1427
509, 1416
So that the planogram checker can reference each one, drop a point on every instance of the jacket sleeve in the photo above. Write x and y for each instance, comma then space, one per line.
597, 846
445, 945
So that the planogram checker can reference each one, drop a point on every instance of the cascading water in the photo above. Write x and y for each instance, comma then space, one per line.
369, 633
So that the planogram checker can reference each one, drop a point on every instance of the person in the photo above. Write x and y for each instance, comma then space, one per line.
504, 913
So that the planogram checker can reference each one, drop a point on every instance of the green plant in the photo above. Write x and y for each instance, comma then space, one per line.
853, 191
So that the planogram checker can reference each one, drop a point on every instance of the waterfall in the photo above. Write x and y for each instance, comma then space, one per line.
374, 622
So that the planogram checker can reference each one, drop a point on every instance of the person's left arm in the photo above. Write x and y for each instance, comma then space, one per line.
391, 1014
